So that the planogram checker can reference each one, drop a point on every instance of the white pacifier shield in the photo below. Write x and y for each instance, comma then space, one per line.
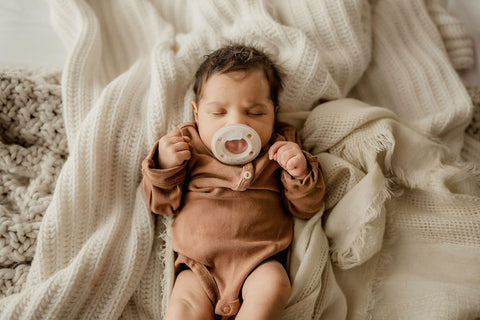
235, 132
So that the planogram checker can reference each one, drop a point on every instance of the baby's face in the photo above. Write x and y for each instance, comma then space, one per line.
237, 97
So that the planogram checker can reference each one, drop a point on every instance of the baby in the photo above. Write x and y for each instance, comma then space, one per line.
232, 219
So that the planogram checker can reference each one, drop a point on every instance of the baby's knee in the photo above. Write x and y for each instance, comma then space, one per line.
270, 281
185, 308
280, 287
188, 300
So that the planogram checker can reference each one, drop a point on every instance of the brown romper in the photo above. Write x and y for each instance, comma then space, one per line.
230, 218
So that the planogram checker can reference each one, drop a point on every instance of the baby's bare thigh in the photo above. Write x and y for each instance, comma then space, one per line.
188, 299
267, 287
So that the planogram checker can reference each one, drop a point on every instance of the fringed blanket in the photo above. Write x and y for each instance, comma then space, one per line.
402, 211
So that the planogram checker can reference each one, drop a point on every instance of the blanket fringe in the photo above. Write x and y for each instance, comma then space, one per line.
166, 256
367, 242
364, 153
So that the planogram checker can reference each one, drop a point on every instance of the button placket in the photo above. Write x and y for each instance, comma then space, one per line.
247, 172
246, 177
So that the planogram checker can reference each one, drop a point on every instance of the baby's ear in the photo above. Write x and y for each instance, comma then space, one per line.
194, 105
276, 109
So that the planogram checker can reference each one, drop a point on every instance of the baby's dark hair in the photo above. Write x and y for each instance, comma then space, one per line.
238, 58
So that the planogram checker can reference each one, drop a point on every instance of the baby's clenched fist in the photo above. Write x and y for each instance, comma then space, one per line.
173, 150
290, 157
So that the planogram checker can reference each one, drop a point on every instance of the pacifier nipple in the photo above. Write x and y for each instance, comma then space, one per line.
236, 144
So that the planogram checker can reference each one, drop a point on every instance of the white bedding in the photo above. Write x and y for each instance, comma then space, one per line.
89, 264
468, 11
27, 38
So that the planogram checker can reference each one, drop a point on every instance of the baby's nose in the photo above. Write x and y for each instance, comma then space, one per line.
237, 118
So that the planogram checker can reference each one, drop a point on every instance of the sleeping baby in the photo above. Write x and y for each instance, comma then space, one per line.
232, 181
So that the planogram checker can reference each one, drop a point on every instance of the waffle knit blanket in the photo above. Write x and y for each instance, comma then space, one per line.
402, 211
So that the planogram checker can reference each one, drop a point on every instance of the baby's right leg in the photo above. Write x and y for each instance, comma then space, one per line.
188, 299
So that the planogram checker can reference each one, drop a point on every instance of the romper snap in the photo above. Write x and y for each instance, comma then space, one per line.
247, 175
236, 144
226, 309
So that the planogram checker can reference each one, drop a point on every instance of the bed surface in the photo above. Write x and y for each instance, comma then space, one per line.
27, 38
395, 209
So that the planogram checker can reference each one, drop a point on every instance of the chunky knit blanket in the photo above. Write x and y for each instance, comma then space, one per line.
402, 211
33, 148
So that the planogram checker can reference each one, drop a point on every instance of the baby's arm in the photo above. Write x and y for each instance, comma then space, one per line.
164, 173
302, 178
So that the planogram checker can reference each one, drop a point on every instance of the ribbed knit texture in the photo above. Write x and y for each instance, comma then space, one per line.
127, 81
456, 39
471, 147
411, 73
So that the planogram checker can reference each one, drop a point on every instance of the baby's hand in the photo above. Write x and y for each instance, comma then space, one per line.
173, 149
290, 157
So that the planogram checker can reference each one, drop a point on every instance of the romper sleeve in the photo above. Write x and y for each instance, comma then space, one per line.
162, 188
303, 198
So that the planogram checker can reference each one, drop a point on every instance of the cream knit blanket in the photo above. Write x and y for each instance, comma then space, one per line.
401, 213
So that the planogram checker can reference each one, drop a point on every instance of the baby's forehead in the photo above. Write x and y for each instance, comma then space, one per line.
238, 75
237, 87
252, 83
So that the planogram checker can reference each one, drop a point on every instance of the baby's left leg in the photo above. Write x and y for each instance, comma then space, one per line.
265, 292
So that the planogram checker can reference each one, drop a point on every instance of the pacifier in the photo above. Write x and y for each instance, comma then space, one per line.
236, 144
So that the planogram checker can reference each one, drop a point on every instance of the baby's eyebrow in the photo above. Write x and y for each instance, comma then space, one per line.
249, 105
257, 105
215, 103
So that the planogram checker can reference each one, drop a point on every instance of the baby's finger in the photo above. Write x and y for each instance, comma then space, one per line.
167, 141
179, 157
297, 173
284, 155
174, 133
180, 146
297, 166
293, 162
184, 155
274, 149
